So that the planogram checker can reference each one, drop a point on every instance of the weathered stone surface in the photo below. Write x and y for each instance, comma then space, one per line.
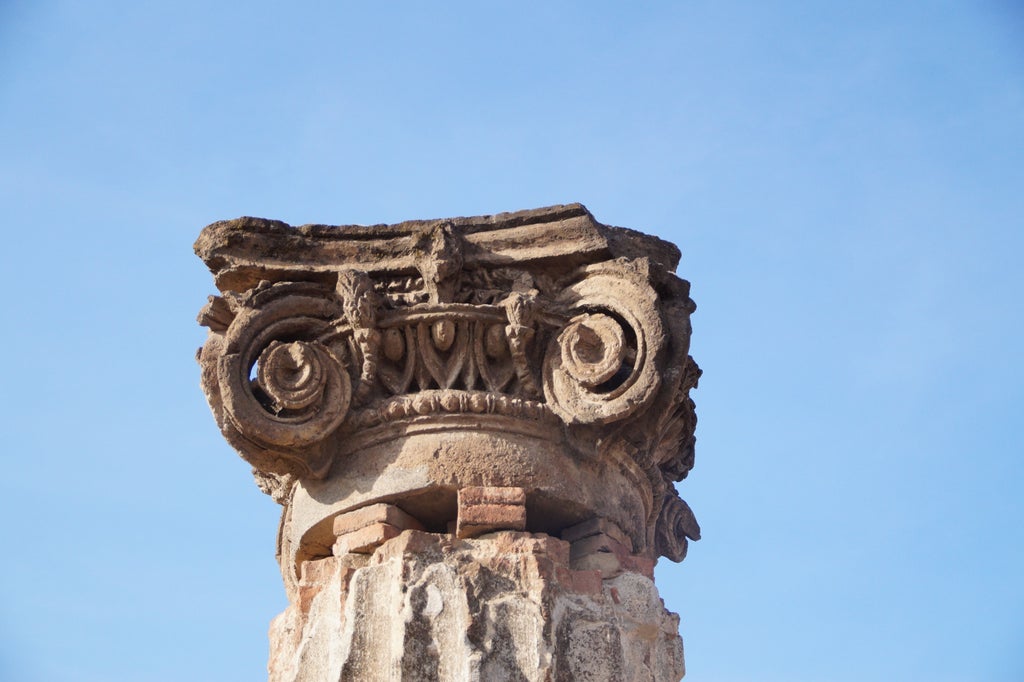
597, 526
525, 371
484, 518
484, 509
597, 543
374, 513
606, 564
469, 497
428, 607
400, 363
365, 539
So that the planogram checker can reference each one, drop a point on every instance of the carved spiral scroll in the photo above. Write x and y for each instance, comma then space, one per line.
601, 366
292, 374
301, 391
593, 348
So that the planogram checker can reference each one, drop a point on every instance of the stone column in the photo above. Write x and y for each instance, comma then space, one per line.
474, 427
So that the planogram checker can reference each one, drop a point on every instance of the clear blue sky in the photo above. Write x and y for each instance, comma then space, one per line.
845, 181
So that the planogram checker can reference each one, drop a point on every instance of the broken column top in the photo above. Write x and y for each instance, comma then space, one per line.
353, 365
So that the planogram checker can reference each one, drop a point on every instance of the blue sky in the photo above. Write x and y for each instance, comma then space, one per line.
845, 181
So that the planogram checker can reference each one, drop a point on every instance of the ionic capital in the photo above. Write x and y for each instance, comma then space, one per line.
352, 365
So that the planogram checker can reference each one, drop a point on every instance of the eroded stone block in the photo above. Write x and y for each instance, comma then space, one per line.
595, 526
365, 539
605, 563
486, 509
374, 513
425, 607
477, 495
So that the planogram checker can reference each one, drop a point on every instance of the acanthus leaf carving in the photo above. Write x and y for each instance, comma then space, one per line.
217, 314
441, 265
359, 301
673, 442
676, 524
520, 310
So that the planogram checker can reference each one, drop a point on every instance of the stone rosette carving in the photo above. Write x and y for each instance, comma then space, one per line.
351, 365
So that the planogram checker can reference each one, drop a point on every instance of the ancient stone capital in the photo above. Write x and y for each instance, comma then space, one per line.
538, 351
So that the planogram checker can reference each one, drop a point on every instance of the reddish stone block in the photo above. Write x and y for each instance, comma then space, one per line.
365, 540
586, 582
484, 518
491, 495
374, 513
497, 516
408, 543
634, 563
557, 549
316, 571
564, 577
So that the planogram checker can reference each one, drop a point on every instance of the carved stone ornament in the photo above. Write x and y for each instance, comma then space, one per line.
400, 364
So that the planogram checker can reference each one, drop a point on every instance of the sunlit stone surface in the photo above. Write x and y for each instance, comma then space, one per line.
474, 427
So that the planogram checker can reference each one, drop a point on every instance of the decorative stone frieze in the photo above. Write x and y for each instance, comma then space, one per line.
426, 365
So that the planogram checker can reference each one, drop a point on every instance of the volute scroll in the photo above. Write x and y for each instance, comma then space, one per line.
281, 379
601, 366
